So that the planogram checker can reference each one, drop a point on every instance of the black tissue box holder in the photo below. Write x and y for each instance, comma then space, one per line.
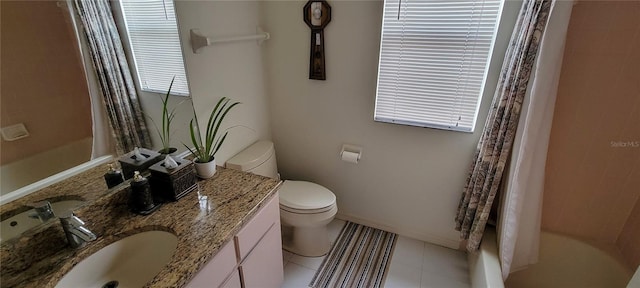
173, 184
129, 164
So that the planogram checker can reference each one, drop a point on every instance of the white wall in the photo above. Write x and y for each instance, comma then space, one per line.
409, 179
233, 70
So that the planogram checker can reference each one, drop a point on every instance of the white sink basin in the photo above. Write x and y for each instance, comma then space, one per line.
132, 262
16, 225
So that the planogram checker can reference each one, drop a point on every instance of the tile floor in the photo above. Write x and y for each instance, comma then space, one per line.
413, 264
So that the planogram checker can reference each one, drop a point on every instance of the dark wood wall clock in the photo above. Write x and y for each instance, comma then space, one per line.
317, 14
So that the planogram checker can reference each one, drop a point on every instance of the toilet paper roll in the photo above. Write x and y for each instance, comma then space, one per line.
351, 157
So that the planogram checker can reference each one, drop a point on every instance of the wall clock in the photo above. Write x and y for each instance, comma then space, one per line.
317, 14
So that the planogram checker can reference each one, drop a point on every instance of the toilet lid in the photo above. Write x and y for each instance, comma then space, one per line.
302, 195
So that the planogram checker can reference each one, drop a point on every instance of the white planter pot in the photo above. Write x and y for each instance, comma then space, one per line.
206, 170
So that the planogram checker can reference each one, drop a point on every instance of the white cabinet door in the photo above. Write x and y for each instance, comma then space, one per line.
216, 271
263, 267
233, 281
255, 229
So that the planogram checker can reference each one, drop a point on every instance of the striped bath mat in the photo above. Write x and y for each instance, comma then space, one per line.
360, 257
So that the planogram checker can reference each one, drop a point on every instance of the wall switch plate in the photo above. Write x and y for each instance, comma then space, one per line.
14, 132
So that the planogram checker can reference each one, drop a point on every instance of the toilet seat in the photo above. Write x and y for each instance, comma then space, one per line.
306, 211
303, 197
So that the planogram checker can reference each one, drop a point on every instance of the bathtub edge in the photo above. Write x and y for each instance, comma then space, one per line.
484, 266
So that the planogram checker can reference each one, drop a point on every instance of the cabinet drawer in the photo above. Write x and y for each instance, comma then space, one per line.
216, 271
263, 267
251, 233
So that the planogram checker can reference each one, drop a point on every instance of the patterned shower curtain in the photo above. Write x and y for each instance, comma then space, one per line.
109, 61
497, 137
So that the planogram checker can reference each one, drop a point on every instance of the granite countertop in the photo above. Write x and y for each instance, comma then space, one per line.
203, 221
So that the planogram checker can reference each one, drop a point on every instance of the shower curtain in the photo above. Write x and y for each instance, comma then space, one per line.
119, 94
495, 145
520, 213
103, 141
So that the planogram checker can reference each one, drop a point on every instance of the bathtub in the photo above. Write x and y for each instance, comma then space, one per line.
563, 262
36, 167
41, 170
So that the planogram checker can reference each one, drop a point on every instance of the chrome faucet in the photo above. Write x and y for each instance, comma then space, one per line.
77, 234
43, 210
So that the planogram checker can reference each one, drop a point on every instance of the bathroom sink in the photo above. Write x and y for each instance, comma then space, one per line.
16, 225
130, 262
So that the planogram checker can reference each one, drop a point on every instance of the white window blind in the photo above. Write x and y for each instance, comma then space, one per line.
153, 35
434, 57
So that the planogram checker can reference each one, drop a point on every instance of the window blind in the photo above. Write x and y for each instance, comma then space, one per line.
153, 35
434, 58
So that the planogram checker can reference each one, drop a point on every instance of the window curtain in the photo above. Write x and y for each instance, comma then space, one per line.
495, 144
114, 77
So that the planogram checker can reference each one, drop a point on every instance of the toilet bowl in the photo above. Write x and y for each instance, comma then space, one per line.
305, 210
305, 207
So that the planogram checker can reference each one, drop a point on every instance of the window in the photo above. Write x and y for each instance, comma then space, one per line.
153, 36
434, 58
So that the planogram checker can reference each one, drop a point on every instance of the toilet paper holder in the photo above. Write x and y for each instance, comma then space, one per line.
351, 153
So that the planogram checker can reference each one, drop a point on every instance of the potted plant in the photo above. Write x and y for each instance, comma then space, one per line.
205, 148
167, 117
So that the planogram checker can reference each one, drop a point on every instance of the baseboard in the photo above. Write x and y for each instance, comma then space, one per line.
401, 231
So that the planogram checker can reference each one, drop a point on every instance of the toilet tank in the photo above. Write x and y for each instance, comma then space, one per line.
259, 158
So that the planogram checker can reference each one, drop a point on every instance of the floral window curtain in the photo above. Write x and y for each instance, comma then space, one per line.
497, 137
116, 83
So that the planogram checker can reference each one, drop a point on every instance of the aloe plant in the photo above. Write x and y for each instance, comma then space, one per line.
206, 151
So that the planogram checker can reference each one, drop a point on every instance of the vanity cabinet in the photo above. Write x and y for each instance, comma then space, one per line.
252, 259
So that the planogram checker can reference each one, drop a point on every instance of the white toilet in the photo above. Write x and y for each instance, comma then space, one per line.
305, 208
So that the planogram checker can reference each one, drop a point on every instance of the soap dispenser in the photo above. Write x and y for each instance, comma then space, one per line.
140, 198
113, 177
